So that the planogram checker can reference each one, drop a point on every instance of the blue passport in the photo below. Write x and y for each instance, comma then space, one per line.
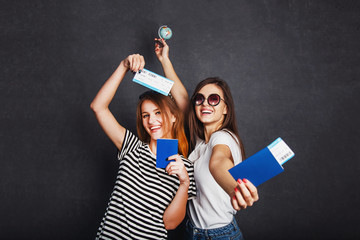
265, 164
164, 149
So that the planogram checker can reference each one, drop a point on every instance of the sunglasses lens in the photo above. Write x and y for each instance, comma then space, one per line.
214, 99
199, 99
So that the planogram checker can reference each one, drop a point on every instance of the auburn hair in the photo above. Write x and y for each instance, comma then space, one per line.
166, 106
196, 127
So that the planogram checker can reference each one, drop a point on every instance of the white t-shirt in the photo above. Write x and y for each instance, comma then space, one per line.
212, 207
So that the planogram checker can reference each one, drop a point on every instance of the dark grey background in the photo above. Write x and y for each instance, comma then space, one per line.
293, 67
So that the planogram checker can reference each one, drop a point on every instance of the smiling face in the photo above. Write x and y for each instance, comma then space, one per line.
153, 121
211, 116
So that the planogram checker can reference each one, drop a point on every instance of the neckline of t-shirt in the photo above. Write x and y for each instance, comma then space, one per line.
225, 130
148, 147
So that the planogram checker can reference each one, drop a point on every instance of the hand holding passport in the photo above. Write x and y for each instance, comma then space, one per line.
265, 164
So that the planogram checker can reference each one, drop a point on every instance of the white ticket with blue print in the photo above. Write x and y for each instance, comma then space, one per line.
281, 151
153, 81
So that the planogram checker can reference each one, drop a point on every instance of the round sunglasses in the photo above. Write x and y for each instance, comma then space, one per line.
213, 99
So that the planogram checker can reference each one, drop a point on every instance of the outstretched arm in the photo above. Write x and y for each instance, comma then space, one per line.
178, 90
101, 102
242, 193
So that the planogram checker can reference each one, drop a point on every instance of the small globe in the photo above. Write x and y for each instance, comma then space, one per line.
165, 32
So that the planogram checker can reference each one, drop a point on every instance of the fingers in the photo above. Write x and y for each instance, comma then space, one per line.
163, 42
136, 62
235, 204
240, 199
252, 189
177, 168
172, 169
174, 166
142, 63
161, 48
160, 42
245, 195
168, 167
158, 45
175, 157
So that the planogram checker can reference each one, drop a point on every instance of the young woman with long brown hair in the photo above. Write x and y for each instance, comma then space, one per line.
216, 147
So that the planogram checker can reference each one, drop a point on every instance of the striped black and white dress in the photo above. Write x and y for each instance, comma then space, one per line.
141, 194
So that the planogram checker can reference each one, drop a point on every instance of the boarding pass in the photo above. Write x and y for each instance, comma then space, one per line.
153, 81
281, 151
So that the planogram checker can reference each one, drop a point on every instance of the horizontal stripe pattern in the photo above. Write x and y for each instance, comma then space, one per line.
141, 194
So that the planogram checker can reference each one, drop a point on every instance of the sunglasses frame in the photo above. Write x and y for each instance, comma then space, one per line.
203, 99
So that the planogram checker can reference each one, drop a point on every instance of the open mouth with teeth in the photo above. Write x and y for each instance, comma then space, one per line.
206, 112
155, 128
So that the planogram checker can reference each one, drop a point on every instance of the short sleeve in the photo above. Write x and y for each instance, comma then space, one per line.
227, 138
130, 143
190, 169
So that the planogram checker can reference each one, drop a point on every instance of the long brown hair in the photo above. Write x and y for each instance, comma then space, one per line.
196, 127
165, 104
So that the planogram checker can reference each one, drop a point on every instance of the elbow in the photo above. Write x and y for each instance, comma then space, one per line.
94, 107
170, 225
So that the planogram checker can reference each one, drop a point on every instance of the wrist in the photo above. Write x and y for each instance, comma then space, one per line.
123, 66
164, 59
185, 184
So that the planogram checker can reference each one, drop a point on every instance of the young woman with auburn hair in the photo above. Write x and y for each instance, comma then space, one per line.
146, 201
167, 106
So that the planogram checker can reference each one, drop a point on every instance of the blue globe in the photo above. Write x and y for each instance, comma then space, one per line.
165, 32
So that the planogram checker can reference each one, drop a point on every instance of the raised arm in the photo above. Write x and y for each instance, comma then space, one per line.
101, 102
178, 90
242, 193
